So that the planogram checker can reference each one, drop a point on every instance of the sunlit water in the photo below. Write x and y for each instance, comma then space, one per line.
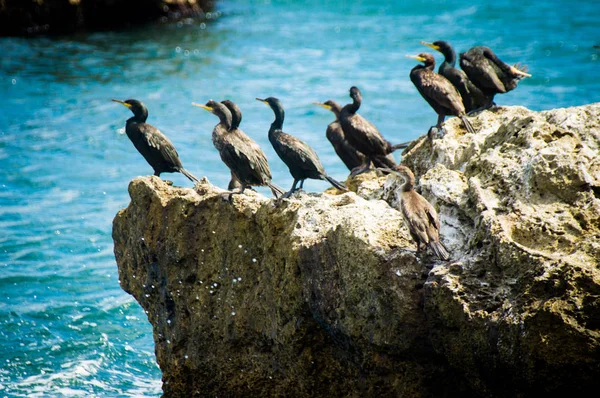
66, 327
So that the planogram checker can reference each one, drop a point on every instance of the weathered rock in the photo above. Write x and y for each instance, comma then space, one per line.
324, 295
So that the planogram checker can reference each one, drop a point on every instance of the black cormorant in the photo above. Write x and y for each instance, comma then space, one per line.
489, 73
353, 159
334, 133
239, 152
362, 134
438, 91
154, 146
472, 96
300, 158
419, 215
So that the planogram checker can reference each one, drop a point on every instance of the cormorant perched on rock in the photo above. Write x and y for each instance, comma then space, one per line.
438, 91
362, 134
352, 158
419, 215
472, 96
301, 159
489, 73
239, 152
154, 146
334, 133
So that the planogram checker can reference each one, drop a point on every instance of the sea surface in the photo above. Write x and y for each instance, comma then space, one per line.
66, 327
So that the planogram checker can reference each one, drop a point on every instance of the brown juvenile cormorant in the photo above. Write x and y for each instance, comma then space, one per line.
353, 159
438, 91
154, 146
489, 73
362, 134
300, 158
419, 215
473, 98
239, 152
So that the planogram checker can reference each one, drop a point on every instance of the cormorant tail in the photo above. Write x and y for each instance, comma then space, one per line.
335, 183
467, 124
277, 191
189, 175
440, 250
400, 146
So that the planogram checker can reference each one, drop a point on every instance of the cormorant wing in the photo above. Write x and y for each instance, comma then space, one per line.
157, 142
369, 131
299, 153
241, 148
414, 215
481, 72
440, 90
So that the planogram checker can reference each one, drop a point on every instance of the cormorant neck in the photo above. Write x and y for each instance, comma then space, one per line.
225, 120
139, 117
356, 102
449, 56
279, 117
409, 182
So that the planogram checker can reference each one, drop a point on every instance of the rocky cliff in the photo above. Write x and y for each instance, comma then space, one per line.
324, 294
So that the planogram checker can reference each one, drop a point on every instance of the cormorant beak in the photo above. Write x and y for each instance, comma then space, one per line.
388, 171
431, 45
322, 105
122, 103
519, 72
262, 100
208, 108
418, 58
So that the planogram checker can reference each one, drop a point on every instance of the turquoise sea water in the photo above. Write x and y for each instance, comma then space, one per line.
66, 327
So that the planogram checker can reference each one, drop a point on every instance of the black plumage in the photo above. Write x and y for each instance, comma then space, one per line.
489, 73
154, 146
362, 134
334, 133
438, 91
472, 96
240, 153
353, 159
300, 158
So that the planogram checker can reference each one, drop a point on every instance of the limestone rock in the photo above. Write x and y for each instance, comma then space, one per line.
324, 294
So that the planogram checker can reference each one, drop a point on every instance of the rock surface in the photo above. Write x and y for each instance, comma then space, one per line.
324, 294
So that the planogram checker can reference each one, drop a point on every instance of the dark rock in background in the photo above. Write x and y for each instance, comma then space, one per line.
32, 17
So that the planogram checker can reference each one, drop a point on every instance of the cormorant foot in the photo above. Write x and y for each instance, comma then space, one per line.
359, 170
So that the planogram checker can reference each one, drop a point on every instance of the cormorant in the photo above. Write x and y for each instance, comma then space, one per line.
419, 215
334, 133
438, 91
362, 134
154, 146
489, 73
239, 152
472, 96
301, 159
353, 159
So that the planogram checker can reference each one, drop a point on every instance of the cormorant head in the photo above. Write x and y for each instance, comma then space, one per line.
401, 171
426, 58
137, 107
442, 46
236, 113
331, 105
276, 106
355, 93
218, 109
273, 102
